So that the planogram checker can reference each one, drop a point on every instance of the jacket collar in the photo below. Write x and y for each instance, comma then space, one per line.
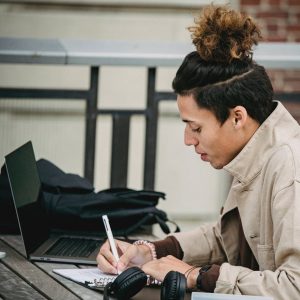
278, 128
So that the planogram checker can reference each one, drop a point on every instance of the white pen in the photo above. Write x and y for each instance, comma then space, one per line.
110, 238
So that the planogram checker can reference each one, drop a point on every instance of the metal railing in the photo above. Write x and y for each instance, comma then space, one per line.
95, 54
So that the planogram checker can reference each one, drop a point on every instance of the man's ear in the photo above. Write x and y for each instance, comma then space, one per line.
239, 116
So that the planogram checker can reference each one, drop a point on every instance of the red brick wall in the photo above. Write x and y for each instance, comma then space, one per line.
279, 19
280, 22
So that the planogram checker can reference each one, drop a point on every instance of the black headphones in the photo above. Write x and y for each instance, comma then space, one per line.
132, 280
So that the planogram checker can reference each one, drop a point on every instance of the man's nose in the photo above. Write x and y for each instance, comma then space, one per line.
189, 138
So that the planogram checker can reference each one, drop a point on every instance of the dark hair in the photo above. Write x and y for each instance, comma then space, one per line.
221, 74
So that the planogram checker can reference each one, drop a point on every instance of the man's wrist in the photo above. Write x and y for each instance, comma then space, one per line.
192, 278
149, 249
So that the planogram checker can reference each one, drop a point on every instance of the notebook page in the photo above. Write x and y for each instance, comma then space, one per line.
91, 277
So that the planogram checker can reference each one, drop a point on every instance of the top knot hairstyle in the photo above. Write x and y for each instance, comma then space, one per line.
222, 35
221, 74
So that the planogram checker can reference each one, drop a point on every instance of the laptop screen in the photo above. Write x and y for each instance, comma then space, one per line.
28, 197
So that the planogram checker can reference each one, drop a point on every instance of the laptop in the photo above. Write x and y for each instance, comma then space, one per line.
40, 244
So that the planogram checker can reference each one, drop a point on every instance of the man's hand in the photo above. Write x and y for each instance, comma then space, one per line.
159, 268
130, 255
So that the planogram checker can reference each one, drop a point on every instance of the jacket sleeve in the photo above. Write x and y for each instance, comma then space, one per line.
280, 278
202, 245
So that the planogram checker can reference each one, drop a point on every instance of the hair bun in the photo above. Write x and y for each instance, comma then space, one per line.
221, 34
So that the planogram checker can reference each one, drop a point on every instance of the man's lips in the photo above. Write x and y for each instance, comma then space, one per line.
203, 156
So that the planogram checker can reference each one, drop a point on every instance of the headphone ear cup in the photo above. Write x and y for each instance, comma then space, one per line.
128, 283
173, 286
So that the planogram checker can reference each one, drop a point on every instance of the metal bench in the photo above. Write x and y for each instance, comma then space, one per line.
108, 53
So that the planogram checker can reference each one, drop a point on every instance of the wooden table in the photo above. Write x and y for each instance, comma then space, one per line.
23, 279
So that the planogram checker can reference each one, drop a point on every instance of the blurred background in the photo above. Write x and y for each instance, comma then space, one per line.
195, 191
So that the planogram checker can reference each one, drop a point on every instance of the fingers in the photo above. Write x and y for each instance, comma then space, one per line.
127, 257
159, 268
105, 259
130, 255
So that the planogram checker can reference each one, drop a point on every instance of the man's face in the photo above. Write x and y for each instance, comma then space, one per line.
215, 144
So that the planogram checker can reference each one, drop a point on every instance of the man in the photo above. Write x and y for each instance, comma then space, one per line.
226, 101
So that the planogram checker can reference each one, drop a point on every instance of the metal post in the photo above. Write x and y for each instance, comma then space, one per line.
91, 123
119, 153
151, 132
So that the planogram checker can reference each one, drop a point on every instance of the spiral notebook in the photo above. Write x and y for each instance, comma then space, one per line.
89, 277
94, 278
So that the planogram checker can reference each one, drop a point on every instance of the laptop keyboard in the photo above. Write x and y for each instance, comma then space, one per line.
77, 247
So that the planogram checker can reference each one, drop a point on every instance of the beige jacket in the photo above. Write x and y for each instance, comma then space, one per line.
266, 191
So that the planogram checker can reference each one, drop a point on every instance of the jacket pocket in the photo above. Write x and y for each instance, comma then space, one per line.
266, 257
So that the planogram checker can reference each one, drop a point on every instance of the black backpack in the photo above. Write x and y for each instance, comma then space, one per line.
72, 204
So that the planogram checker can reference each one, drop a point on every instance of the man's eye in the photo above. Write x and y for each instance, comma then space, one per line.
196, 129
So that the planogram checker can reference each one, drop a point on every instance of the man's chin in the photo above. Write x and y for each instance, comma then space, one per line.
216, 165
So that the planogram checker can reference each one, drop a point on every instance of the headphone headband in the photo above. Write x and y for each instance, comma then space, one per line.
132, 280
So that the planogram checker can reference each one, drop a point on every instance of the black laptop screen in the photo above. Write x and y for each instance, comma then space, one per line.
27, 194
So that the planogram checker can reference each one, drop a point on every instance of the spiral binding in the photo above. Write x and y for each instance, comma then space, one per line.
152, 281
100, 282
103, 281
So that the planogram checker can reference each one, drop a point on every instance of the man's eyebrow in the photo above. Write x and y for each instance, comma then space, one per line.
187, 121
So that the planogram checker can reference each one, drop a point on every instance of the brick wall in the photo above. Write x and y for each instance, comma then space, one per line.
280, 22
279, 19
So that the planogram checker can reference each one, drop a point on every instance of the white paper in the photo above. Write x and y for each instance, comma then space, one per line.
92, 277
